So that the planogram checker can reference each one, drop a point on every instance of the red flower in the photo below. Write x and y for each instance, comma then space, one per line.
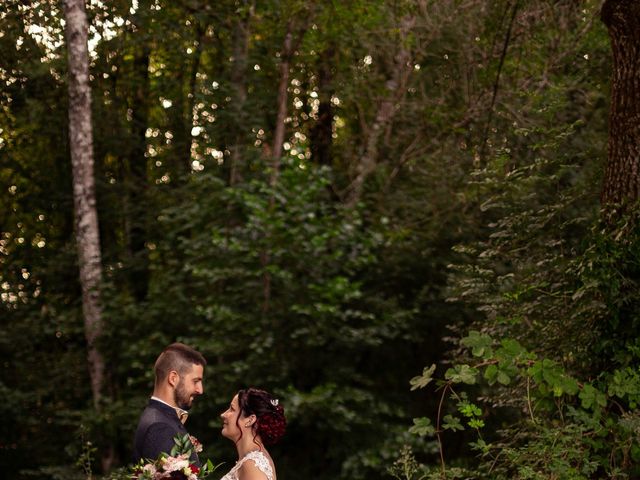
194, 468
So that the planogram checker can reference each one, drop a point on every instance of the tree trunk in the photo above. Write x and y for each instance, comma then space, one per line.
321, 135
86, 216
138, 181
386, 109
278, 136
241, 34
288, 48
622, 173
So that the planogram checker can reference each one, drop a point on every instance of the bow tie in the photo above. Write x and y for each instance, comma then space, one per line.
182, 414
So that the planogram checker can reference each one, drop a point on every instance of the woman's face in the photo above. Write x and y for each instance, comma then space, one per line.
230, 423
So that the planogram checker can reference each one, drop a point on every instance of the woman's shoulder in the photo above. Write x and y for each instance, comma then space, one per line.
256, 466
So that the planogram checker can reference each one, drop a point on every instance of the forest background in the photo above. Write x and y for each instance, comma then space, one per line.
404, 218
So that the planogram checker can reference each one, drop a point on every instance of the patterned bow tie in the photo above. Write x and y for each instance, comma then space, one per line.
182, 415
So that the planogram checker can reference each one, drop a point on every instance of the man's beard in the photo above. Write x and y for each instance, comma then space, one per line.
181, 397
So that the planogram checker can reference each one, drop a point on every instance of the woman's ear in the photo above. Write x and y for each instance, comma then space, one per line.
250, 420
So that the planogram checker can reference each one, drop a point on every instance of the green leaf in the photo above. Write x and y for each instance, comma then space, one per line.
480, 344
480, 445
511, 349
476, 423
503, 378
569, 385
469, 410
462, 374
422, 427
423, 380
449, 422
625, 383
592, 398
491, 374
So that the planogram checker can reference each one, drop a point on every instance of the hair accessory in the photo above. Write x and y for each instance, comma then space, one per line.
274, 402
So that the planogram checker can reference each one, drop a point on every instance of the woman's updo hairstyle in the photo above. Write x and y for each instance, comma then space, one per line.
270, 421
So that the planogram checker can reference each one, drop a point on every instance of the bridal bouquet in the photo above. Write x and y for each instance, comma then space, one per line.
176, 465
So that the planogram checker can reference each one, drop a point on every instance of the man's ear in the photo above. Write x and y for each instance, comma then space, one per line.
173, 378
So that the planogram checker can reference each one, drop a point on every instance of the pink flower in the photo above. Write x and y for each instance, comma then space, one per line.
178, 467
150, 469
174, 464
197, 446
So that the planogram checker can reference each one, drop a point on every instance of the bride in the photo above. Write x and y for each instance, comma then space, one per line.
254, 419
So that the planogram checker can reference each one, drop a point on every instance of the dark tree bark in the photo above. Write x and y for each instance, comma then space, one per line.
622, 173
321, 135
138, 178
182, 121
241, 35
496, 83
290, 43
276, 149
386, 109
283, 85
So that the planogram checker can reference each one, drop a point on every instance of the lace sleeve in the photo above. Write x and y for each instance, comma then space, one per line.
262, 462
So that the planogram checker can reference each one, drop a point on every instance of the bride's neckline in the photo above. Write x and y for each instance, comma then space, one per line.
250, 452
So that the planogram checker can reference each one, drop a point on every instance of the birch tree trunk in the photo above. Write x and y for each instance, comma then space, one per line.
86, 217
622, 172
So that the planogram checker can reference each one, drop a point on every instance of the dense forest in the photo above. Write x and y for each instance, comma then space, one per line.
414, 221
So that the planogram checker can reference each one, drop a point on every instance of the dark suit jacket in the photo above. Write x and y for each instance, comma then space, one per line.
158, 426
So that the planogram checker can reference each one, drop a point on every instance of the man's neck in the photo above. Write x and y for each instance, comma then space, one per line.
163, 399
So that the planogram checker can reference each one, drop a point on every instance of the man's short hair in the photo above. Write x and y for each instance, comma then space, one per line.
178, 357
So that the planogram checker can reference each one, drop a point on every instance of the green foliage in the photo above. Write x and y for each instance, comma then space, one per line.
555, 291
318, 312
406, 467
281, 285
573, 430
422, 427
552, 346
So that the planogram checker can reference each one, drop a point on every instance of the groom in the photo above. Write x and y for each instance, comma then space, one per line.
178, 371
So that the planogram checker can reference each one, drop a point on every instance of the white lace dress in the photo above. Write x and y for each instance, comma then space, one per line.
261, 461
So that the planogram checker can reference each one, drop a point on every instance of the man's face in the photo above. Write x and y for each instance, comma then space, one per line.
189, 386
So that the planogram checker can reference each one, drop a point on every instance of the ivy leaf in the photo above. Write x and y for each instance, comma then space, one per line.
462, 374
422, 427
423, 380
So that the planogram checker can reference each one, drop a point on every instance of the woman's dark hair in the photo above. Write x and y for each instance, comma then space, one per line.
270, 420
